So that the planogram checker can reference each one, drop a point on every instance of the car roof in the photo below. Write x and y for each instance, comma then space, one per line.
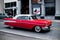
20, 15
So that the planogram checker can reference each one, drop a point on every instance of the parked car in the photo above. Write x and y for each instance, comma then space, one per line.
3, 15
28, 22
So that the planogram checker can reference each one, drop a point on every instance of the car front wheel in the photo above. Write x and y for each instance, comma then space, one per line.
37, 29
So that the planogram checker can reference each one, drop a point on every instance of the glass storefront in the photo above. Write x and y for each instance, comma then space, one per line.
36, 7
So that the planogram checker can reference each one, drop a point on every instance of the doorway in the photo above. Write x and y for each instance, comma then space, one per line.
49, 7
24, 6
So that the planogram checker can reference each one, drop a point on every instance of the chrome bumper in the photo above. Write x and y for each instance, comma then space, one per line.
45, 28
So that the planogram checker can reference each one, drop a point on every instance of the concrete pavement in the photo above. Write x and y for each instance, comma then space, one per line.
8, 36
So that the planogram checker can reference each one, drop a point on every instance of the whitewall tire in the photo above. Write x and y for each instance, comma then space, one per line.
11, 27
37, 29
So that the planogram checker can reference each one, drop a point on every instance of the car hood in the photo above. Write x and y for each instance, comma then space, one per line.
43, 21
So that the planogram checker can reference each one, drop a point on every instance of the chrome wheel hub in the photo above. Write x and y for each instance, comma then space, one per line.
37, 29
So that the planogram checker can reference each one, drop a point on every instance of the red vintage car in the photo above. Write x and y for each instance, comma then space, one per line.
28, 22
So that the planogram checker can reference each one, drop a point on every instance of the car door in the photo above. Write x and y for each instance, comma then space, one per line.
22, 21
29, 24
26, 23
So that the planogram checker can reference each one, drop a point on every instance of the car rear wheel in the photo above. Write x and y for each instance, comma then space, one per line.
37, 29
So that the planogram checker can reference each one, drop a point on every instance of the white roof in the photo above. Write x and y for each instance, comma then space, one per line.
20, 15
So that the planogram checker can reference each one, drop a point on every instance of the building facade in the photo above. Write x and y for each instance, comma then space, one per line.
10, 7
1, 6
48, 9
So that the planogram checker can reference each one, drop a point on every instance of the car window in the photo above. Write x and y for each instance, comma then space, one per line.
23, 18
33, 17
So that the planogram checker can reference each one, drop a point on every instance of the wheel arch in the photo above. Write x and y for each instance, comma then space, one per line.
35, 26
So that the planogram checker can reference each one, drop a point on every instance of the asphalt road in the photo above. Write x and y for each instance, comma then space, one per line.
7, 36
22, 34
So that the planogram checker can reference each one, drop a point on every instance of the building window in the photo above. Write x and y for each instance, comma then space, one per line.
7, 5
10, 12
11, 4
